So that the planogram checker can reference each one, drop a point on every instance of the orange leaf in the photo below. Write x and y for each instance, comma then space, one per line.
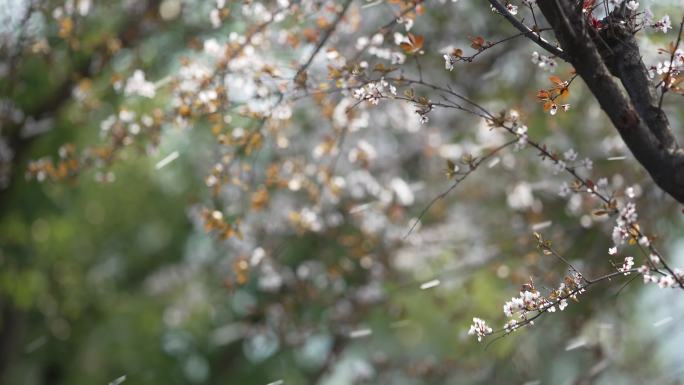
414, 45
322, 23
477, 42
310, 35
565, 93
417, 41
556, 80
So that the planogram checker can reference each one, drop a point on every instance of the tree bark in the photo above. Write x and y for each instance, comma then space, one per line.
610, 64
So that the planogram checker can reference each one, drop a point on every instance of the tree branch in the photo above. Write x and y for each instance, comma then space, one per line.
641, 124
527, 31
623, 59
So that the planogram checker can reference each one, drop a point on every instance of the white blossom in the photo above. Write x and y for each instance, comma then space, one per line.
479, 328
663, 24
137, 85
570, 155
449, 61
564, 190
632, 5
626, 265
512, 9
544, 62
666, 281
654, 258
559, 166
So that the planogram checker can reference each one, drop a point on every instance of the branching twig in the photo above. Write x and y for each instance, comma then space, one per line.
527, 31
665, 87
324, 39
472, 167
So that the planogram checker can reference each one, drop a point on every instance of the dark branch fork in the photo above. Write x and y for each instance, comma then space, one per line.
609, 61
632, 108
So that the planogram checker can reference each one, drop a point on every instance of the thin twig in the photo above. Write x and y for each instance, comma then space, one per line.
527, 31
664, 87
473, 166
329, 31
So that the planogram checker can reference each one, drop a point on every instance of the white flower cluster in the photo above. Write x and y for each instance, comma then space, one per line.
569, 157
554, 108
423, 110
521, 131
449, 61
664, 280
374, 47
564, 190
518, 128
544, 62
570, 161
632, 5
137, 85
626, 218
215, 13
373, 91
627, 265
664, 24
673, 68
511, 8
531, 300
125, 124
559, 166
479, 328
523, 309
